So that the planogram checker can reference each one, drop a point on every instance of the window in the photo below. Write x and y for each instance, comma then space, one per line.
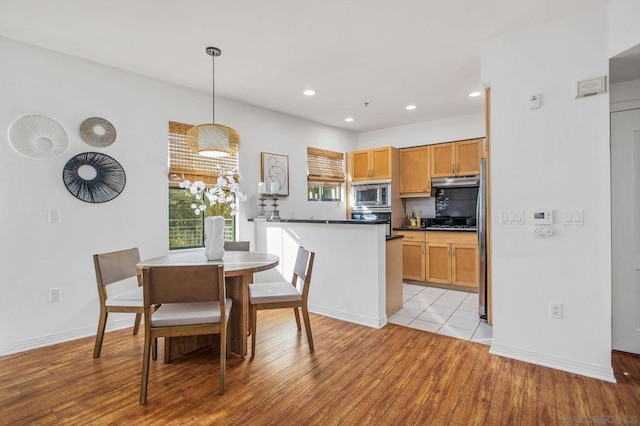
325, 175
186, 229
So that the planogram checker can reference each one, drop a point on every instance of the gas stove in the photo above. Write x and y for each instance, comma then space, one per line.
450, 223
445, 226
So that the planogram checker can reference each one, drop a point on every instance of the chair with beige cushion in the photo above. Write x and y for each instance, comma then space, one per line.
237, 245
284, 294
111, 268
191, 301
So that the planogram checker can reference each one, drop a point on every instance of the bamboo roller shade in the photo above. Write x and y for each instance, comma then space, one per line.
324, 165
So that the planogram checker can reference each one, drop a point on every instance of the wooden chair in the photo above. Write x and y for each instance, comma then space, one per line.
237, 245
192, 302
111, 268
284, 294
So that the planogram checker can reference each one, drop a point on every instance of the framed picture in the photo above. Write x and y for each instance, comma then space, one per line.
274, 169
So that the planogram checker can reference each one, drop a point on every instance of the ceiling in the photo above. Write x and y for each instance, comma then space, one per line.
351, 52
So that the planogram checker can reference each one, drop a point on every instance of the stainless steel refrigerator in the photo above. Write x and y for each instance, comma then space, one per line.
481, 223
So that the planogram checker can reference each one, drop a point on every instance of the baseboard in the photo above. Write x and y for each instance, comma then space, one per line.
66, 336
585, 369
349, 317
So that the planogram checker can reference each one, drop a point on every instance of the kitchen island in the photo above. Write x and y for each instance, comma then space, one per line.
350, 273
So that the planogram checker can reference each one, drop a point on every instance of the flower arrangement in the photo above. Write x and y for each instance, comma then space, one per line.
225, 191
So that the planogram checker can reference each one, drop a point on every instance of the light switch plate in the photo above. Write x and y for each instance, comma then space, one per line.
573, 217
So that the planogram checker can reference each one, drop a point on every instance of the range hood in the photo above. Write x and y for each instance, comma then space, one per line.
455, 181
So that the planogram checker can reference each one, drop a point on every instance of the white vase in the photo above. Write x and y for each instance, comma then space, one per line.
214, 239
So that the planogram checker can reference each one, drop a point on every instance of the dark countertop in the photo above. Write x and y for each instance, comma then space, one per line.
334, 222
407, 228
330, 221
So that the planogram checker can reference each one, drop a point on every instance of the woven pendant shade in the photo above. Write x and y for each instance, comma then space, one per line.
213, 140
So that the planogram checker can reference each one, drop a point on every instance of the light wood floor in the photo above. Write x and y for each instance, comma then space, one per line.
356, 376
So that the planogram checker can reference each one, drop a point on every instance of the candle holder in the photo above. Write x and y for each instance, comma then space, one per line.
262, 214
275, 213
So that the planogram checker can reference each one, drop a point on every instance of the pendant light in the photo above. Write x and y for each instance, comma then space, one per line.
213, 140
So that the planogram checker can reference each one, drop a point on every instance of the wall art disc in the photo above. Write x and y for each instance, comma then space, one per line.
97, 132
38, 137
94, 177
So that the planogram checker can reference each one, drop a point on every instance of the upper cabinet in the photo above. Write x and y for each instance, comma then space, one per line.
371, 164
415, 176
456, 158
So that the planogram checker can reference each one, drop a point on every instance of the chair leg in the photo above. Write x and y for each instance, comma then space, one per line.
136, 324
295, 312
154, 349
307, 326
254, 326
102, 324
223, 358
145, 370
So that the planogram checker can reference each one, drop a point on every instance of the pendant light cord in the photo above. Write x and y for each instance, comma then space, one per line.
213, 86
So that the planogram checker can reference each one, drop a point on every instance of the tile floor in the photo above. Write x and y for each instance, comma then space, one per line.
449, 312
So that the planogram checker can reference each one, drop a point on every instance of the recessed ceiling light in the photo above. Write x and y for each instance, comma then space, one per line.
410, 107
349, 119
474, 94
309, 92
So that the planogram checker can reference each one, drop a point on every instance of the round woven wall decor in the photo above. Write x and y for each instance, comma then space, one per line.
94, 177
98, 132
38, 137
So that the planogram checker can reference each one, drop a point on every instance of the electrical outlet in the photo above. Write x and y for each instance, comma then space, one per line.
555, 310
55, 295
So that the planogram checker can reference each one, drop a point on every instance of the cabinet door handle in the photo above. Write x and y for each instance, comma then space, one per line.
449, 251
422, 249
453, 168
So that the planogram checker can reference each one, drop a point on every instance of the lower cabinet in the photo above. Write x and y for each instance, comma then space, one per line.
443, 257
413, 261
452, 264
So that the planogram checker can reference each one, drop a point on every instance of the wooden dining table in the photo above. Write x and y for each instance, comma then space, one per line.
239, 267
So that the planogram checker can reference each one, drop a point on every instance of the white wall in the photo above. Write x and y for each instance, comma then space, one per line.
37, 255
555, 157
429, 132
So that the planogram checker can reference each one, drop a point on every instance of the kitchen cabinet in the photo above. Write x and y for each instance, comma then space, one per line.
371, 164
413, 255
415, 176
452, 258
442, 257
456, 158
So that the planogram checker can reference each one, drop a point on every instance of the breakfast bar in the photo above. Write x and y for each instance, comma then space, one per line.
352, 280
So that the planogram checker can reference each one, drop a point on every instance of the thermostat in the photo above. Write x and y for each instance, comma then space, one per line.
542, 217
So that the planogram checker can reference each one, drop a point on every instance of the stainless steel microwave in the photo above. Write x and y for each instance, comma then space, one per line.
371, 196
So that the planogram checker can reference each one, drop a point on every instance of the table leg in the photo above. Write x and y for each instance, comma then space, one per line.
238, 291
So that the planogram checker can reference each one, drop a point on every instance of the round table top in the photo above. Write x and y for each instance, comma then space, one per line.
235, 262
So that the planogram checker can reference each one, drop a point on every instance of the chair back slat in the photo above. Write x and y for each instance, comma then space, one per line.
116, 266
303, 268
237, 245
203, 283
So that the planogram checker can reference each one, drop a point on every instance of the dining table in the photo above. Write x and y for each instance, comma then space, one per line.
239, 267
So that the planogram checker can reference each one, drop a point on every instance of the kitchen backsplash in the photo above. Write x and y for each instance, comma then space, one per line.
455, 202
425, 207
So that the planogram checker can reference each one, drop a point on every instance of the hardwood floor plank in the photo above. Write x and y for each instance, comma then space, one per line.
473, 405
507, 399
571, 397
356, 376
